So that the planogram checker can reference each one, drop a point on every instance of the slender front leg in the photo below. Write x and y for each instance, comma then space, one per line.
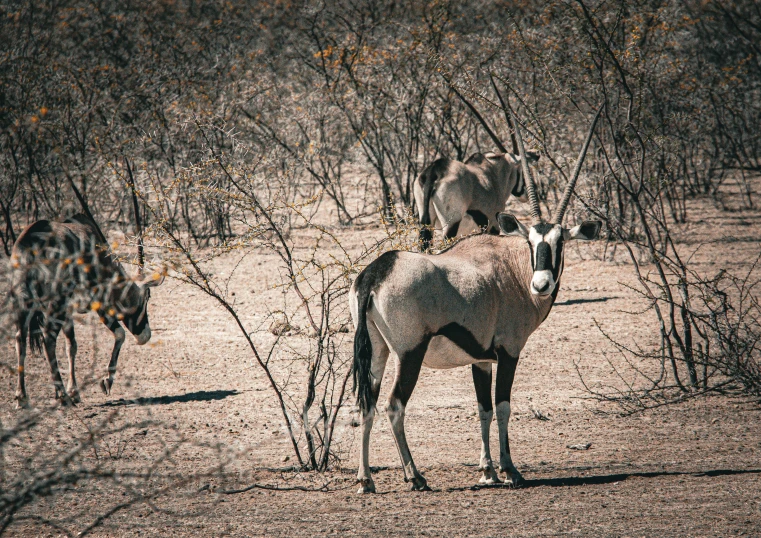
377, 368
22, 400
116, 328
482, 374
50, 333
71, 353
505, 375
407, 372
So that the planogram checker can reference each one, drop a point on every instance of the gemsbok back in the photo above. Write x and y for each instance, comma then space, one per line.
474, 304
57, 269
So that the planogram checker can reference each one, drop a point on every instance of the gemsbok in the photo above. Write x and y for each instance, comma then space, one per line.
449, 191
474, 304
57, 269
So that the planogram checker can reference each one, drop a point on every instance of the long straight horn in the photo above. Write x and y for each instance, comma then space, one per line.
480, 119
536, 213
507, 116
571, 184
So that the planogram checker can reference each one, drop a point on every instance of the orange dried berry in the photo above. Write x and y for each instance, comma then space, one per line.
111, 312
80, 261
66, 261
44, 111
95, 305
120, 316
86, 269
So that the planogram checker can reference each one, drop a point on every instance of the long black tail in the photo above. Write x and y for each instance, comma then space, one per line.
428, 179
363, 350
34, 327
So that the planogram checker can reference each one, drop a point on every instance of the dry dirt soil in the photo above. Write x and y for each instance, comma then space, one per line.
692, 469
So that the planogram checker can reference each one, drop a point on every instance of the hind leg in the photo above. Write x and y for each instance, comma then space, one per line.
52, 328
407, 372
22, 400
71, 353
378, 367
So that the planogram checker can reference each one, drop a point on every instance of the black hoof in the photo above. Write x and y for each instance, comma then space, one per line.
366, 486
419, 484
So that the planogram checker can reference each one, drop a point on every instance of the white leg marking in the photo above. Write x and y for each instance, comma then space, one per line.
505, 461
486, 465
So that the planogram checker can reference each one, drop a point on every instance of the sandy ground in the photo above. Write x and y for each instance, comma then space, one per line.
687, 470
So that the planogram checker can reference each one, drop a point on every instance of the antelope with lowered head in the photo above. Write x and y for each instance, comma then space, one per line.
59, 268
474, 304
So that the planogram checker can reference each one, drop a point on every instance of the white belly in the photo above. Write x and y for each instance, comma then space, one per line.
443, 353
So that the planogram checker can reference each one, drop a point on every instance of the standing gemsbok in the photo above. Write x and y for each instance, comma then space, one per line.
449, 193
59, 268
474, 304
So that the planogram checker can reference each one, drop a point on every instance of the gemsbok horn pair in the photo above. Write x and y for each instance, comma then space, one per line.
59, 268
474, 304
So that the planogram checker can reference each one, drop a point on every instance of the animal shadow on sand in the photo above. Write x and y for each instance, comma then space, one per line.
570, 302
199, 396
613, 478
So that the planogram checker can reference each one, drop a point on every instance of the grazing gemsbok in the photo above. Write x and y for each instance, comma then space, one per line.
59, 268
475, 304
448, 191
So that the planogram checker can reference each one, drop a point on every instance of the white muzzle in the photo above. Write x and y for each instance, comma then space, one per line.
542, 283
144, 336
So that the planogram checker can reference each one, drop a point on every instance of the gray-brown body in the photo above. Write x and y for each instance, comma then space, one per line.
466, 285
475, 304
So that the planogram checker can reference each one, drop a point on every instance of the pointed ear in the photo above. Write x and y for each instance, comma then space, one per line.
586, 231
509, 225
